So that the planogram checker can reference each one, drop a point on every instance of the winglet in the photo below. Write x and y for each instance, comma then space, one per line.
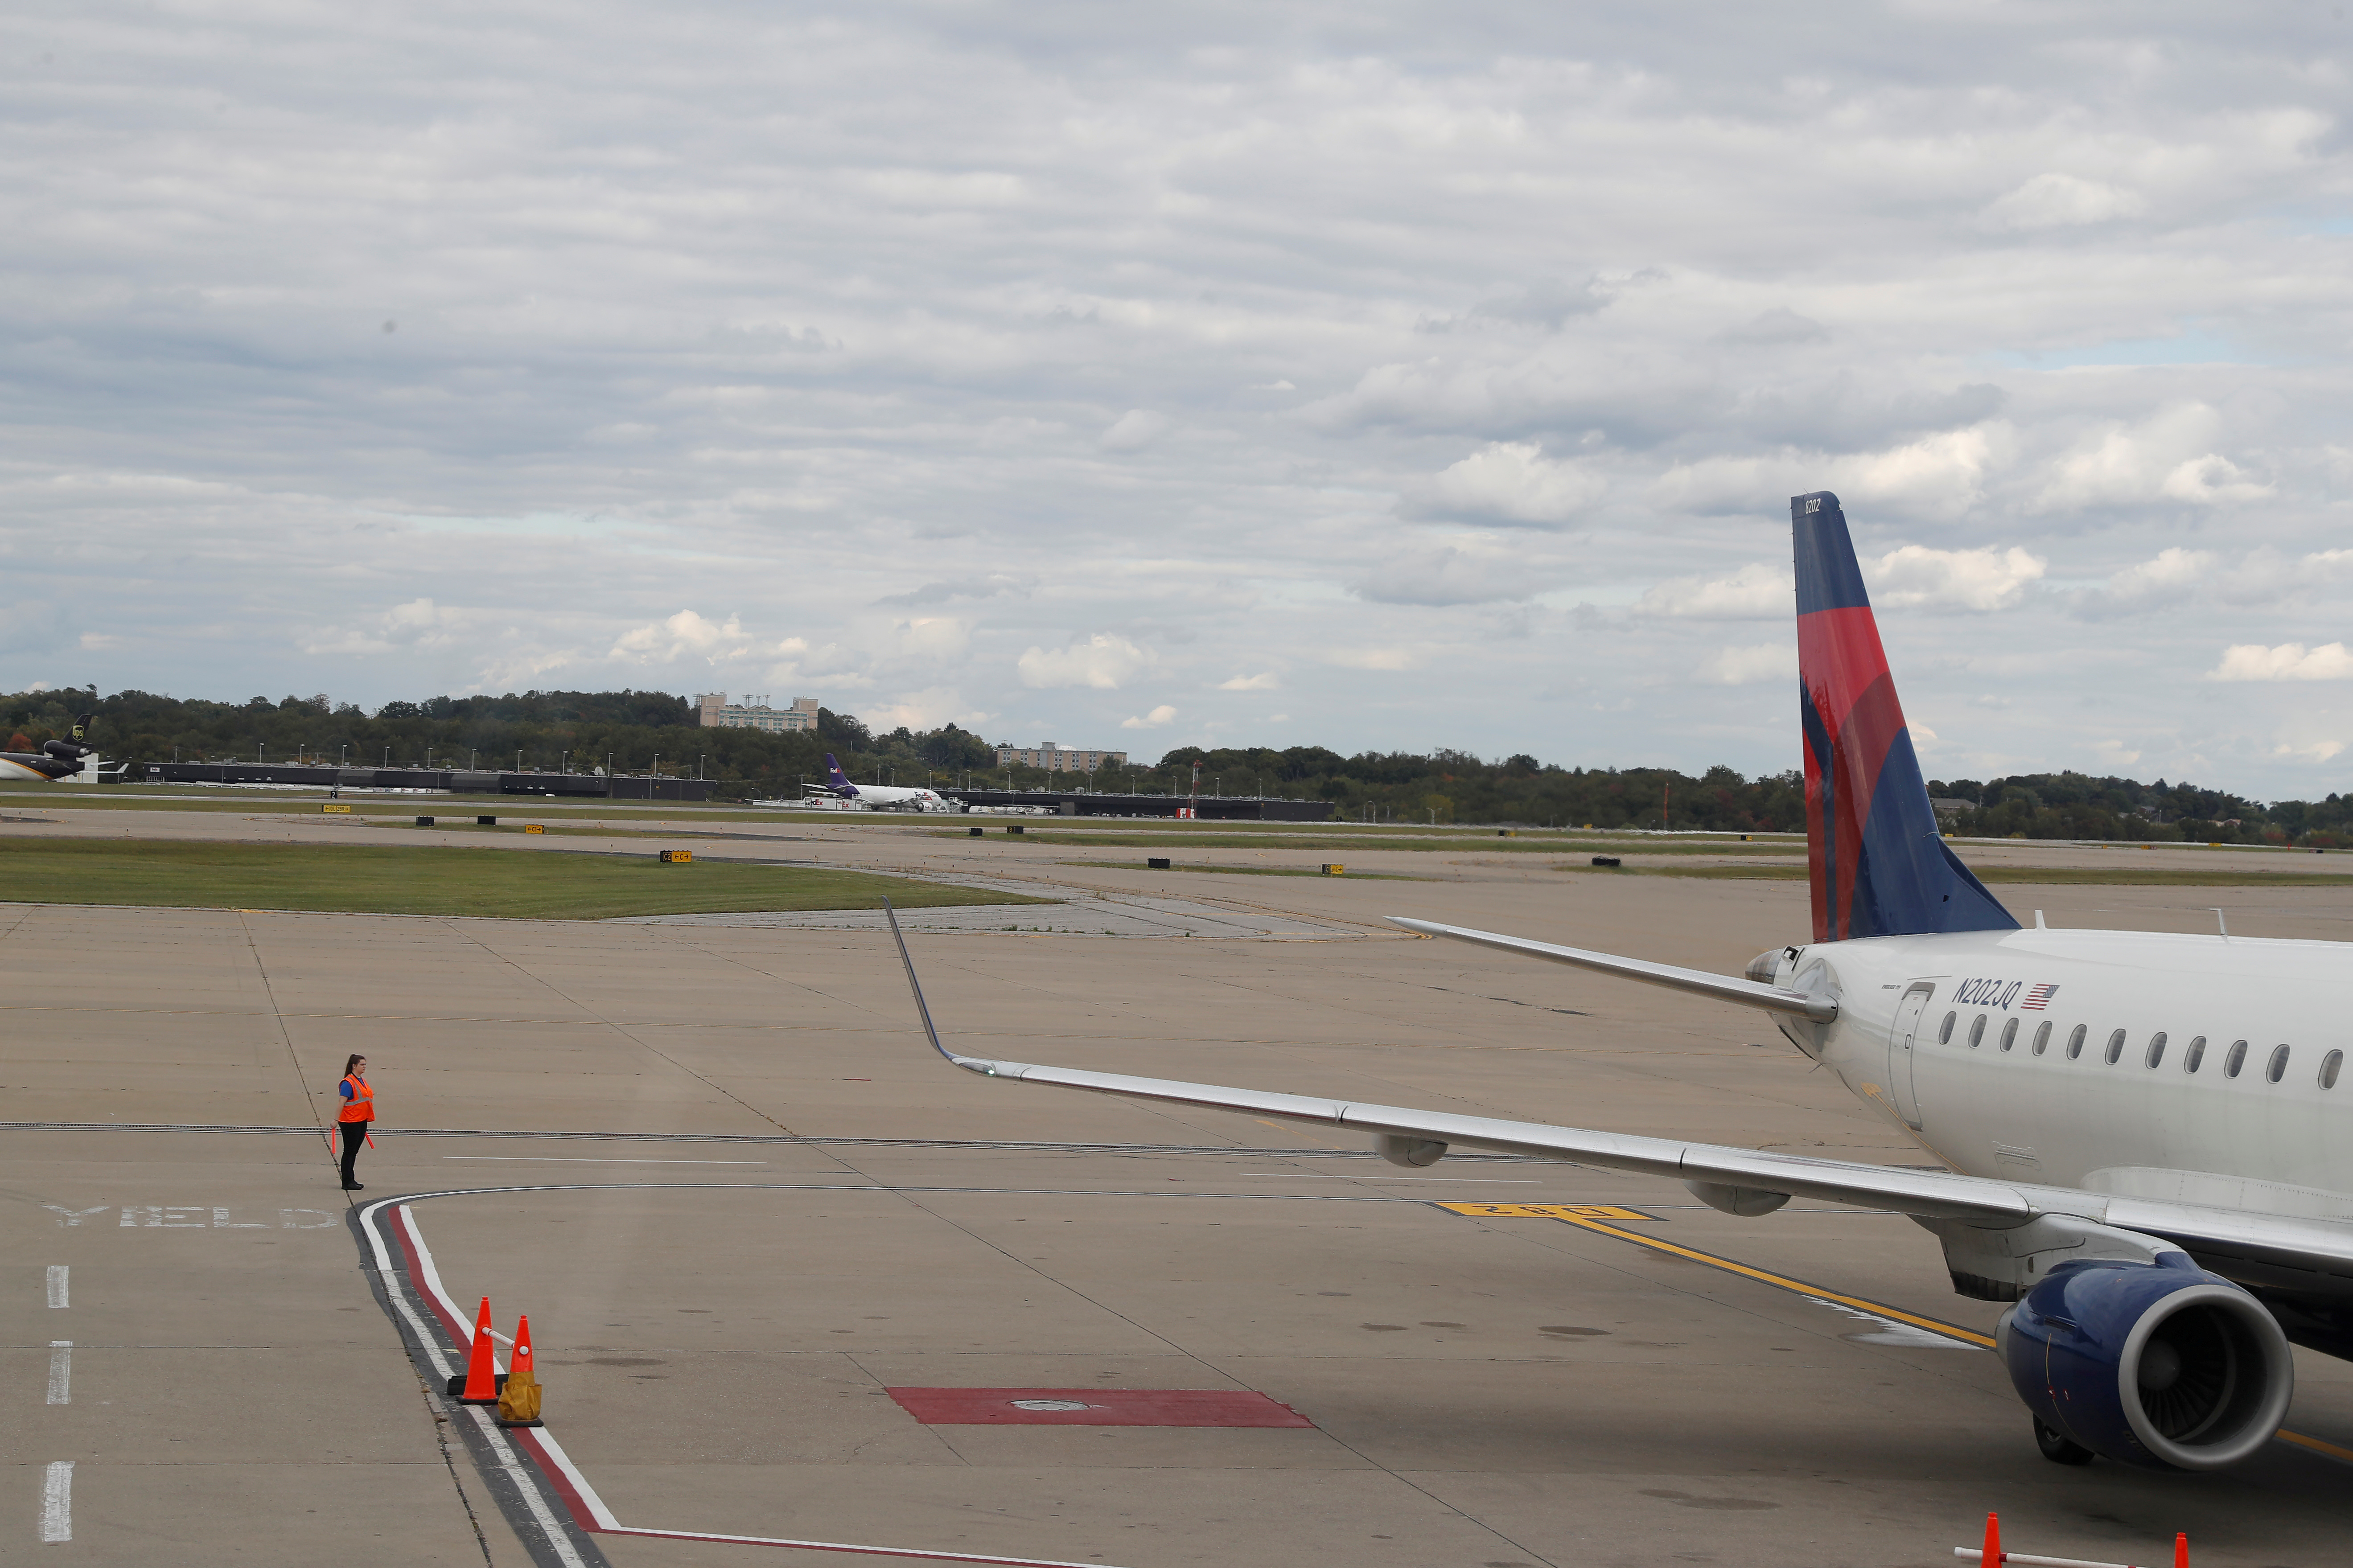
923, 1010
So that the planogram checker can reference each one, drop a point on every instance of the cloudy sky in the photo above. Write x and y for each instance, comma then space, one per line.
1371, 375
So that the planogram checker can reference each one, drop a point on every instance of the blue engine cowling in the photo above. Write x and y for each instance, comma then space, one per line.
2157, 1365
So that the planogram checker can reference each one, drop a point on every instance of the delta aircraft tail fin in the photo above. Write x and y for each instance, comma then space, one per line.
1879, 866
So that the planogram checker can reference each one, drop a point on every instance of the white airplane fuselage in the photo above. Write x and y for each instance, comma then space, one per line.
1999, 1096
884, 797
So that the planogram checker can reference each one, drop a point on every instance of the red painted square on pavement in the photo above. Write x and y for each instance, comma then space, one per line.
1095, 1407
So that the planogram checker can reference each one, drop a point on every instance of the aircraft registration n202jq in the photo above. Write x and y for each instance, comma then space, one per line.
2147, 1132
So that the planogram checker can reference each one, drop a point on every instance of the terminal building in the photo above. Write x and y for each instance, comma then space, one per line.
1056, 759
715, 713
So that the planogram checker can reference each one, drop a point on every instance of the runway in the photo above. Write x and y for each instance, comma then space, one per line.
741, 1203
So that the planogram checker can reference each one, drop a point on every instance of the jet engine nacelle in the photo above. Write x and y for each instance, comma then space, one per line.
1413, 1153
2157, 1364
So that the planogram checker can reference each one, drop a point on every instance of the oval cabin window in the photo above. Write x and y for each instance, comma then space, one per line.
2115, 1047
2194, 1054
2043, 1036
1945, 1035
2330, 1066
2276, 1068
2009, 1033
1977, 1032
2075, 1041
2236, 1059
2156, 1048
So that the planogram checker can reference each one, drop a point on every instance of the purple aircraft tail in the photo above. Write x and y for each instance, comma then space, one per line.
835, 777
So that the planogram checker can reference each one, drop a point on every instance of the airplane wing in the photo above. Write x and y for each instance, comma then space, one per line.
2314, 1246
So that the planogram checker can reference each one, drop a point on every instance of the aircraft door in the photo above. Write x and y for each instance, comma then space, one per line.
1899, 1051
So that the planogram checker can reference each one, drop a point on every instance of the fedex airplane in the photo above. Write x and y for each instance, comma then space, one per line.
2150, 1135
56, 760
879, 797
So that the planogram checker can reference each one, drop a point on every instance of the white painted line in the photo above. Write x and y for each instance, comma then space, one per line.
591, 1160
1475, 1181
58, 1285
606, 1521
61, 1372
520, 1472
57, 1502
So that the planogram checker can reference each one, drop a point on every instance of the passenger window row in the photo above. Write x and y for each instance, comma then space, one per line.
2152, 1055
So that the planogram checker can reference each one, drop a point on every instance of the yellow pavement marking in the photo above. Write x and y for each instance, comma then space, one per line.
1570, 1215
1589, 1217
1547, 1211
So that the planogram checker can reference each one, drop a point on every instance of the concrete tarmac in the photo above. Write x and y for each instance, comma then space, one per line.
782, 1205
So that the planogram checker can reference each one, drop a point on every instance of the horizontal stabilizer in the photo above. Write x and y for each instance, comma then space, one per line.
1698, 981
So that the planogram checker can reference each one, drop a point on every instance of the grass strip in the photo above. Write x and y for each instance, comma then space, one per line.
1250, 870
1109, 838
2044, 876
352, 878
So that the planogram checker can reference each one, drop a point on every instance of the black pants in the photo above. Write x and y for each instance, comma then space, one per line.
354, 1132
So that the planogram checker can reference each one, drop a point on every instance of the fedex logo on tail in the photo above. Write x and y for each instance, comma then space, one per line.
835, 777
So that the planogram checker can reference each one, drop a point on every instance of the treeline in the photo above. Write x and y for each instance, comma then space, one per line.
643, 732
579, 732
2079, 805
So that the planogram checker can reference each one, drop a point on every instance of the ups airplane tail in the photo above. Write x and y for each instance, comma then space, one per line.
1879, 864
56, 760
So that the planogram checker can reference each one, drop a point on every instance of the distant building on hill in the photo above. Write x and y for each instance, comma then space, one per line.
715, 713
1056, 759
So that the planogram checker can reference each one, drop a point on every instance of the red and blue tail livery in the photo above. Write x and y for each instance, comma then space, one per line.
1879, 866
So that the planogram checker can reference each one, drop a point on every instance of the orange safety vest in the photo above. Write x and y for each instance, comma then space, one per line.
361, 1107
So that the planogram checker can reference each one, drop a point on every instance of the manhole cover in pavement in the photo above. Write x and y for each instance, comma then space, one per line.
1051, 1405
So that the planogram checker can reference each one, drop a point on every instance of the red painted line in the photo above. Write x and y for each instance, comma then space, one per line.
1095, 1407
461, 1335
589, 1511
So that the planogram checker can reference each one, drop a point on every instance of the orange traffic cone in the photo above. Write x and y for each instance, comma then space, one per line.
1992, 1556
482, 1370
518, 1398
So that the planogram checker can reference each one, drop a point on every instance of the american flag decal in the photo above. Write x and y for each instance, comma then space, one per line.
2038, 998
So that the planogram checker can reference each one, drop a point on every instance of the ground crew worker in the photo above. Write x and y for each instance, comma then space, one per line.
359, 1110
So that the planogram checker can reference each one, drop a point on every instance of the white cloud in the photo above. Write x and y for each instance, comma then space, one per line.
418, 624
2168, 457
2173, 575
2060, 201
1509, 483
930, 637
1939, 476
683, 635
927, 709
1136, 429
2318, 752
2288, 661
1152, 720
1374, 659
1450, 574
1746, 665
1103, 662
1755, 591
1917, 577
1264, 681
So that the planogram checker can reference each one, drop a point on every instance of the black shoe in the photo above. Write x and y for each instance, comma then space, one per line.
355, 1188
